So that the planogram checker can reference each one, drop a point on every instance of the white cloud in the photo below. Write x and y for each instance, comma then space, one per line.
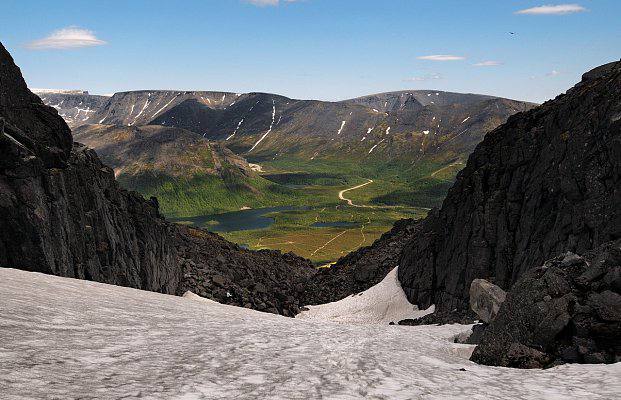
67, 38
559, 9
422, 78
489, 63
553, 73
264, 3
441, 57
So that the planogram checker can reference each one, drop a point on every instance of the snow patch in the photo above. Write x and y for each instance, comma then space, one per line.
373, 148
235, 131
341, 128
381, 304
269, 130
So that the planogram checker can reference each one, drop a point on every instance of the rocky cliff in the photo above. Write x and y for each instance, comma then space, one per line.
63, 213
61, 210
546, 182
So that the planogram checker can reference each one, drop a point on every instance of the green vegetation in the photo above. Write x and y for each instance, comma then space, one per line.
399, 190
294, 231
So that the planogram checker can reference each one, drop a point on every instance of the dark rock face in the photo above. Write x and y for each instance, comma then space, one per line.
546, 182
62, 213
568, 310
41, 129
361, 269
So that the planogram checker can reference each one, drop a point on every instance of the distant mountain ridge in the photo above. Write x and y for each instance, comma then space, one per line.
263, 124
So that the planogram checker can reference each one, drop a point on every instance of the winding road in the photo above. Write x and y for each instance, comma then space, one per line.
354, 188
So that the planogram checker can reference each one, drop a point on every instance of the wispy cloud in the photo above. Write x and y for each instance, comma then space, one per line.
441, 57
489, 63
422, 78
553, 73
264, 3
67, 38
559, 9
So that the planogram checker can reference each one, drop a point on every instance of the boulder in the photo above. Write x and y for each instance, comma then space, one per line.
485, 299
566, 311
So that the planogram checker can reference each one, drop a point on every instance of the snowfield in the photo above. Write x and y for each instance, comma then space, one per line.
62, 338
382, 304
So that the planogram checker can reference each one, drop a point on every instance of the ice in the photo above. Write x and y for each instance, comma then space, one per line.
62, 338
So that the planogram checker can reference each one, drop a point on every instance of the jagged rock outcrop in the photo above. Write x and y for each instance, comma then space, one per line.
568, 310
63, 213
546, 182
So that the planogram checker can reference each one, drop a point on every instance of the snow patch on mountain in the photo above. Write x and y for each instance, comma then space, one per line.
381, 304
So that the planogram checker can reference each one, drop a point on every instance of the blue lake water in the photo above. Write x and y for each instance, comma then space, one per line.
242, 220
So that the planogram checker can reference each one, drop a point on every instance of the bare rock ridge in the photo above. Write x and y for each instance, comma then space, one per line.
546, 182
408, 125
63, 213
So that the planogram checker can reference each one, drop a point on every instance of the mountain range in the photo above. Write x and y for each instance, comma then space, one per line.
398, 137
545, 185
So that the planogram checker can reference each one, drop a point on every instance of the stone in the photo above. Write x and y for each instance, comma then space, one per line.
583, 325
485, 299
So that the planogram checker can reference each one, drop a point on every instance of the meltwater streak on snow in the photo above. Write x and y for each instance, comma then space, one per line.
381, 304
66, 338
341, 128
269, 130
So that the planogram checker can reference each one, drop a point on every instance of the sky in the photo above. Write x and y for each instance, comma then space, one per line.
312, 49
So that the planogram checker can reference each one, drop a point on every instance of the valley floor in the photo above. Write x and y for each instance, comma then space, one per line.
65, 338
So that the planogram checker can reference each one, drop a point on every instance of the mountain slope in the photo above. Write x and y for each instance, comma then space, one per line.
74, 106
63, 213
188, 174
403, 124
546, 182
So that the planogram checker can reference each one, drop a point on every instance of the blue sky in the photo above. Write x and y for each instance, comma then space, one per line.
322, 49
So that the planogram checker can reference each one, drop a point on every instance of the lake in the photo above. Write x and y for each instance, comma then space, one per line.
232, 221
